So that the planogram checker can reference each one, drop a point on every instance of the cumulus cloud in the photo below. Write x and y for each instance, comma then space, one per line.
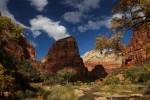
5, 12
53, 29
38, 4
81, 7
92, 25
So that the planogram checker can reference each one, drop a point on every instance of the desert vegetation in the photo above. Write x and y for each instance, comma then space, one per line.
20, 80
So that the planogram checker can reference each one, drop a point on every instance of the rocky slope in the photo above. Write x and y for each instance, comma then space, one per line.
136, 51
110, 61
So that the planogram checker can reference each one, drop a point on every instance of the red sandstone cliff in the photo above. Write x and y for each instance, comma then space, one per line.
22, 49
136, 51
64, 53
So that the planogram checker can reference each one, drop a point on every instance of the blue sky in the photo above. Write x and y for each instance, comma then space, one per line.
47, 21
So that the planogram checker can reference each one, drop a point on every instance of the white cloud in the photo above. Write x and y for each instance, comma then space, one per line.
53, 29
38, 4
73, 17
5, 12
81, 6
87, 5
117, 15
92, 25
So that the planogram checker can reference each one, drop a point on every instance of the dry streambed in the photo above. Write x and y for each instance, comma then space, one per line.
109, 93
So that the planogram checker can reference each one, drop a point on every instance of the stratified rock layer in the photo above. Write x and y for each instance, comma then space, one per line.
110, 62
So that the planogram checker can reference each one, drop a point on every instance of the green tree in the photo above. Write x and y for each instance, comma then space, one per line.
6, 81
9, 30
114, 44
117, 45
103, 43
134, 13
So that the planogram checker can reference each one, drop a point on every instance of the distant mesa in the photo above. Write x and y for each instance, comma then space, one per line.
110, 62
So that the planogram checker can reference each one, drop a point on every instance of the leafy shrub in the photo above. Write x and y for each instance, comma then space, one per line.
7, 25
48, 79
62, 93
20, 94
65, 74
30, 94
139, 73
133, 75
25, 94
25, 68
112, 80
97, 84
6, 81
78, 83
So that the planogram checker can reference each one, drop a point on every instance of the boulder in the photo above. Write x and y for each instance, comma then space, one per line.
98, 72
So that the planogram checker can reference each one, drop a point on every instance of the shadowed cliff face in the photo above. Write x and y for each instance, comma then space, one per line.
64, 53
28, 48
22, 49
97, 73
136, 51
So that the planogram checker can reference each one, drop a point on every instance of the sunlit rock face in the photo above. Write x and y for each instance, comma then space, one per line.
110, 62
137, 50
64, 53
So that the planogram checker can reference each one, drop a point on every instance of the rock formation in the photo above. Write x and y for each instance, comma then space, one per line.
21, 50
64, 53
98, 72
110, 62
28, 49
136, 51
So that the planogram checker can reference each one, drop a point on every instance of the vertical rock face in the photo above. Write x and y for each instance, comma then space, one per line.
64, 53
28, 49
136, 51
13, 49
21, 50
